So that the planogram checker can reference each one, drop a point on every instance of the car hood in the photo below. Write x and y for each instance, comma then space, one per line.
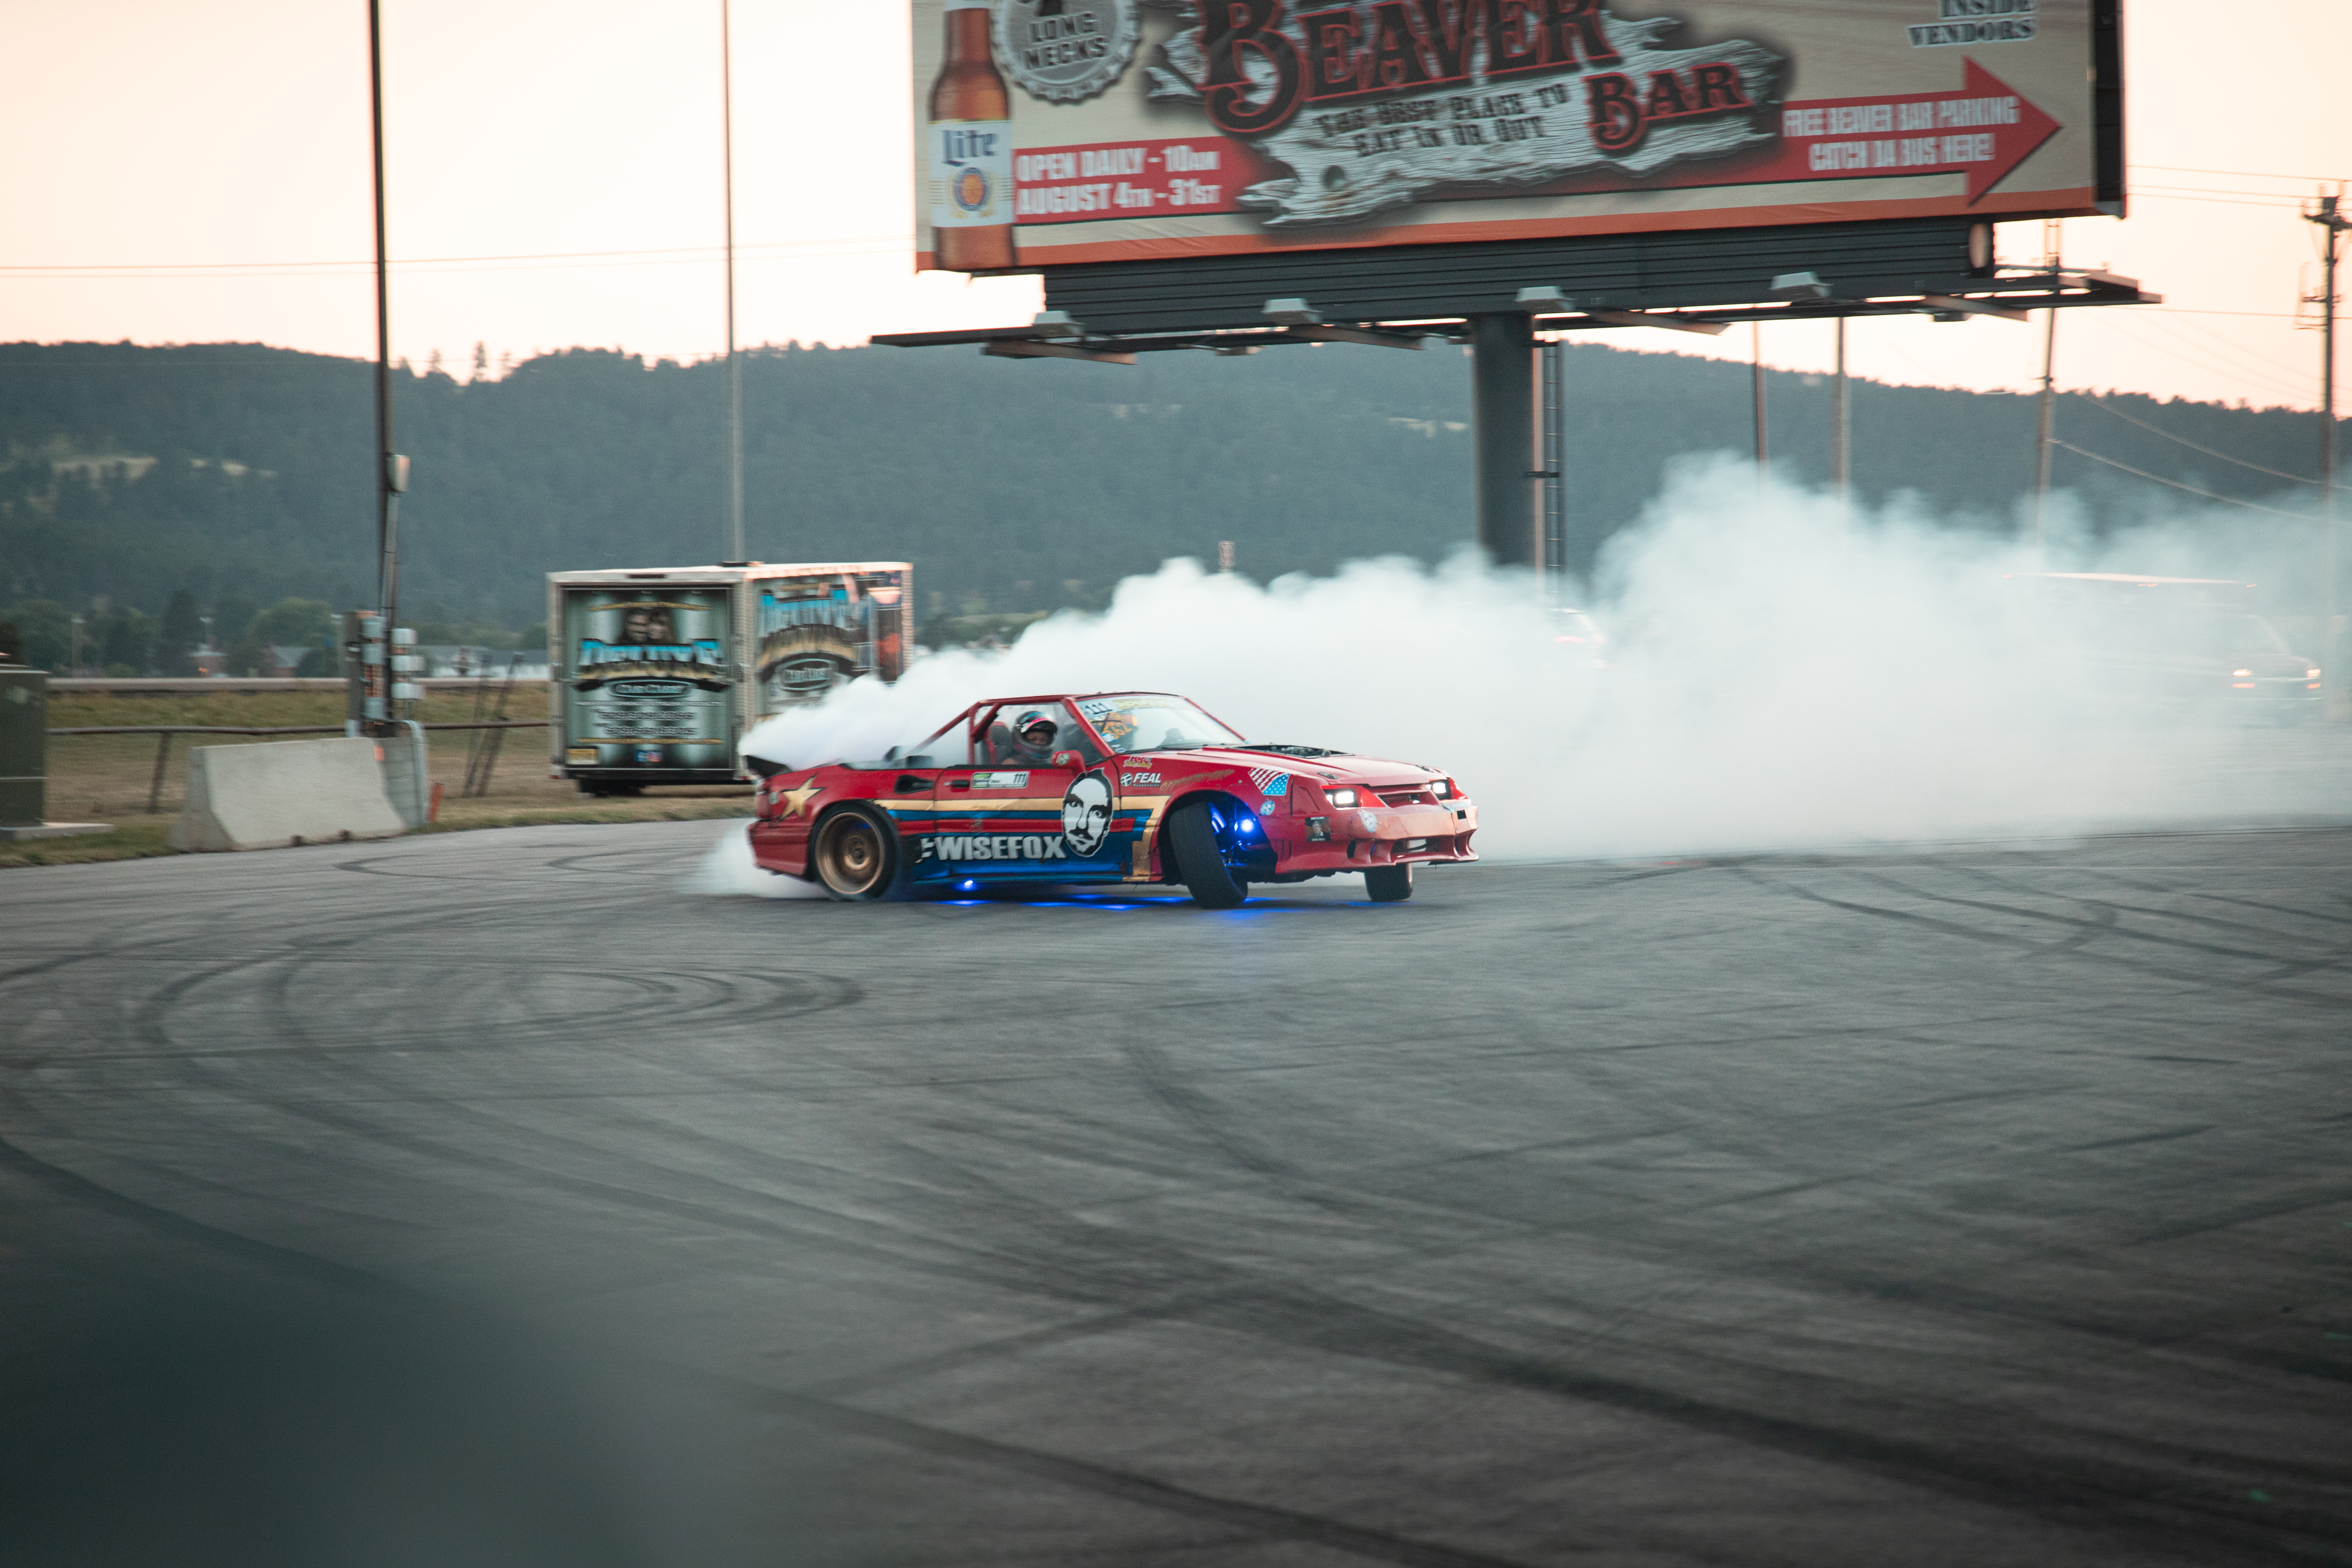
1339, 767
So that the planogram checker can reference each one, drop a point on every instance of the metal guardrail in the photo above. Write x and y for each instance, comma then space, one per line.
248, 685
163, 734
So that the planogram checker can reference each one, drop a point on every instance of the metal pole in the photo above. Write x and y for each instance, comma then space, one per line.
2041, 448
1763, 446
387, 530
1502, 400
735, 550
156, 784
1554, 447
2049, 409
1840, 425
2337, 699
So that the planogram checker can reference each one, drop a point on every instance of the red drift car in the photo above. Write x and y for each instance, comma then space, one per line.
1120, 787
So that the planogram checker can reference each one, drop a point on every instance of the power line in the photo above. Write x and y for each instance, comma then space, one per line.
2242, 174
2210, 366
2209, 451
2176, 484
686, 251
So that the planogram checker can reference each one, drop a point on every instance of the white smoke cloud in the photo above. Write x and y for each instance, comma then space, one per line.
1781, 675
727, 869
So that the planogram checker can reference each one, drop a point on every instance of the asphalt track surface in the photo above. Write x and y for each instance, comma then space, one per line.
1975, 1205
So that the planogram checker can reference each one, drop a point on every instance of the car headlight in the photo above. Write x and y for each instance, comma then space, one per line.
2242, 674
1340, 797
2311, 675
1442, 789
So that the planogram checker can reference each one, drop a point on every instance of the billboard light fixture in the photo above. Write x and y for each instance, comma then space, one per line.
1671, 323
1023, 348
1315, 334
1056, 325
1799, 286
1292, 313
1545, 299
1951, 305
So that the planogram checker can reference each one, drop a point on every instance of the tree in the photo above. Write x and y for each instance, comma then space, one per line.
47, 628
125, 640
182, 629
306, 622
233, 619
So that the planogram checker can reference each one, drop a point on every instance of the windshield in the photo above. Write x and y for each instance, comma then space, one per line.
2227, 637
1153, 721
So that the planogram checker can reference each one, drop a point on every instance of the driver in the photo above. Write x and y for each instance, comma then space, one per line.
1032, 738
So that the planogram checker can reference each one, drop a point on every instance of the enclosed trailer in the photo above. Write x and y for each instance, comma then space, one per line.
654, 676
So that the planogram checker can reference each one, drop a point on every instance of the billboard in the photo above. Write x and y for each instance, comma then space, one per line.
1080, 132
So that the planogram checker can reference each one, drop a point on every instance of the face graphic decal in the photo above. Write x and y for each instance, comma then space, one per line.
647, 625
1086, 814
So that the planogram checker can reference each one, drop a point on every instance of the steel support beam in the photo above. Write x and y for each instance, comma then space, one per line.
1502, 422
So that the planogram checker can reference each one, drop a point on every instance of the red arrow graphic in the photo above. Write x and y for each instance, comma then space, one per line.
1984, 131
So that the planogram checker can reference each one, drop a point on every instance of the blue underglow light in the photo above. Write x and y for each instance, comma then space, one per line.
966, 886
1246, 824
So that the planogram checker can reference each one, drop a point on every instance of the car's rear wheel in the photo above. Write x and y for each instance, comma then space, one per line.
1389, 884
855, 855
1201, 859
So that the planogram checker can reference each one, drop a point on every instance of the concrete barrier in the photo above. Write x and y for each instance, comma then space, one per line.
284, 792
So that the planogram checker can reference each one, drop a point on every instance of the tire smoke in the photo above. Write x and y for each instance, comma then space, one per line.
1781, 673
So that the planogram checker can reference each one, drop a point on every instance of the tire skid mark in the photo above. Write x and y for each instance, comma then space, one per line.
1260, 1521
2091, 925
2084, 954
2218, 921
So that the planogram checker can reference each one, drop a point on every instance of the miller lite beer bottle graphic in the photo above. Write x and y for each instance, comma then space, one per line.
972, 148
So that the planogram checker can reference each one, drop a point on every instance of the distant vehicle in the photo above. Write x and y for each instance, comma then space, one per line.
1578, 636
1105, 787
654, 675
2184, 644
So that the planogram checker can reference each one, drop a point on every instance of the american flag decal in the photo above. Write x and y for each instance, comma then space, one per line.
1270, 781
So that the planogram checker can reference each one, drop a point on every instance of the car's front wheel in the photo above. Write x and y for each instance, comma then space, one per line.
1201, 859
1389, 884
855, 855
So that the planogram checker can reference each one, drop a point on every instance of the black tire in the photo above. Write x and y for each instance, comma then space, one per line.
1200, 861
1389, 884
855, 855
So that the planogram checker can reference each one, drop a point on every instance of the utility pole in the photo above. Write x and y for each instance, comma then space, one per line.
1763, 448
1841, 426
2048, 412
382, 691
2338, 702
735, 550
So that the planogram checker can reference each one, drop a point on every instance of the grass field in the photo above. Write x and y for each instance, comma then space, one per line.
105, 778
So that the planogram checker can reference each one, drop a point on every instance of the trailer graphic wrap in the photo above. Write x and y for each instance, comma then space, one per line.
649, 677
815, 635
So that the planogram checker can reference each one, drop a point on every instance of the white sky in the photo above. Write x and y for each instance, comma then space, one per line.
198, 173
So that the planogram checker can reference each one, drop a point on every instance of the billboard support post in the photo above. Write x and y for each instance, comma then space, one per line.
1756, 390
1554, 445
1841, 426
1502, 400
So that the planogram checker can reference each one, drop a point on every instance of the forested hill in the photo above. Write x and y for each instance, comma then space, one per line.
241, 472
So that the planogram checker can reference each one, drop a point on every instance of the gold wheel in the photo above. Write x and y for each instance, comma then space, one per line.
851, 857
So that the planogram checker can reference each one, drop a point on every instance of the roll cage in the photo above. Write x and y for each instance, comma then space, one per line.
980, 741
